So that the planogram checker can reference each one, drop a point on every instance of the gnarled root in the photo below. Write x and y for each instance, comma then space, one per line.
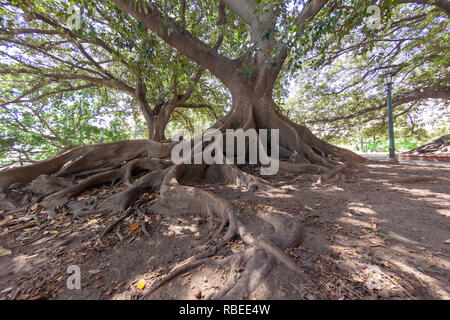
264, 250
85, 158
117, 162
340, 174
123, 199
299, 168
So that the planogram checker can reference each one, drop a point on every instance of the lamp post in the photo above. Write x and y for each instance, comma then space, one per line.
388, 80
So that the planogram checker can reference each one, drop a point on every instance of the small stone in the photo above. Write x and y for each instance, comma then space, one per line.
310, 297
197, 294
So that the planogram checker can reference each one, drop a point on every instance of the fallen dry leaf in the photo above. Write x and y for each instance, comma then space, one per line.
5, 252
235, 250
141, 284
93, 271
240, 269
134, 226
36, 207
376, 242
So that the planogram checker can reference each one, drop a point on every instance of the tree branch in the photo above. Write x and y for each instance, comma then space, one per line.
309, 11
444, 5
411, 96
179, 38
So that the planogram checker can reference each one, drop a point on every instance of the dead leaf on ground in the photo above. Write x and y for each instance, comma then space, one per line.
134, 226
240, 269
236, 250
93, 271
141, 284
5, 252
311, 209
36, 207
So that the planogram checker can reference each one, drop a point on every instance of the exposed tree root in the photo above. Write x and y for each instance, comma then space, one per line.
232, 174
148, 183
124, 198
338, 175
85, 158
299, 168
115, 223
264, 250
118, 164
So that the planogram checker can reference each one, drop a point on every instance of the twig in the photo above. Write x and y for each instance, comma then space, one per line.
109, 228
119, 235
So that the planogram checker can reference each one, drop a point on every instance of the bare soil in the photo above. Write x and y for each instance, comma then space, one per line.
383, 235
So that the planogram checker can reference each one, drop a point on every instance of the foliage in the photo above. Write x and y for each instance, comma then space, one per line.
107, 56
335, 59
344, 94
36, 131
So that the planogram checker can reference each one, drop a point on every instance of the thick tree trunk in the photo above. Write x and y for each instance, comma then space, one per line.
255, 108
156, 126
157, 120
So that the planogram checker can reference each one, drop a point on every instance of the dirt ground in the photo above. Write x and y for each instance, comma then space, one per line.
377, 237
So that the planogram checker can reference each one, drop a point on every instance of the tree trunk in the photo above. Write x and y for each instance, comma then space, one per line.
255, 108
156, 118
156, 121
156, 124
156, 127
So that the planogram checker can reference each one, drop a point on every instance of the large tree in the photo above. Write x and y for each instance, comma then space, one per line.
251, 71
261, 39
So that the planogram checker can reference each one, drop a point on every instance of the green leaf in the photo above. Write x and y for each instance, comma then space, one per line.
383, 235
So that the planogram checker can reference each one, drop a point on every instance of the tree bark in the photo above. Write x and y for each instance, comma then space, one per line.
253, 107
157, 123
